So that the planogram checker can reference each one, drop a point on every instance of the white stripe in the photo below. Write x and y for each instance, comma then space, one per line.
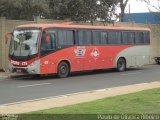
33, 85
101, 90
131, 73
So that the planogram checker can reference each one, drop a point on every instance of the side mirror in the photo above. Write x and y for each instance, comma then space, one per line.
47, 39
7, 36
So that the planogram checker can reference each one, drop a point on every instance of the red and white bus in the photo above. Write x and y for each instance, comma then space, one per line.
61, 49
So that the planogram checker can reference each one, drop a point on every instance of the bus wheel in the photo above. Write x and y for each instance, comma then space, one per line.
63, 70
121, 65
158, 62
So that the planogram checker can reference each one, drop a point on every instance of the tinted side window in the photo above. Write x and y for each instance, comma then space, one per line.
139, 38
100, 37
65, 38
114, 37
147, 38
53, 41
84, 37
47, 48
128, 37
50, 45
96, 37
104, 37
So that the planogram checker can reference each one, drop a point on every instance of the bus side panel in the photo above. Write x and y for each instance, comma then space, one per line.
82, 58
49, 63
107, 56
136, 56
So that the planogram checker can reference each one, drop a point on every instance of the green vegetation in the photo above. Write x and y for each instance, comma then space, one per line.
77, 10
119, 107
145, 102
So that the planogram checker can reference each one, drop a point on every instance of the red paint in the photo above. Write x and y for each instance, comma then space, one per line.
104, 57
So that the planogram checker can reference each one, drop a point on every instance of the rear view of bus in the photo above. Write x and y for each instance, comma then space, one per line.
62, 49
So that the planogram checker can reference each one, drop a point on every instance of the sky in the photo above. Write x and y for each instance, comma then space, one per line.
138, 7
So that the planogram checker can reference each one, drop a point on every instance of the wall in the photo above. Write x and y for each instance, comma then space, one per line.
149, 17
9, 25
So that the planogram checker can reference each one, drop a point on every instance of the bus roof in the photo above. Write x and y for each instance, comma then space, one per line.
44, 26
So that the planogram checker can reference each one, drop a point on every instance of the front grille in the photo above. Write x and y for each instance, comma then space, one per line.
19, 66
20, 70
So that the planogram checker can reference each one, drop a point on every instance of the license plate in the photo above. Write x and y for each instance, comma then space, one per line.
18, 70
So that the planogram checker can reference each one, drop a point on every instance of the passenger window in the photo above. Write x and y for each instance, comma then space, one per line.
114, 37
53, 41
84, 37
147, 38
99, 38
51, 44
46, 48
128, 37
65, 38
139, 38
104, 37
96, 37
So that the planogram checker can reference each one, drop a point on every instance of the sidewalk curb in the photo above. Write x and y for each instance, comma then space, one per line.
5, 75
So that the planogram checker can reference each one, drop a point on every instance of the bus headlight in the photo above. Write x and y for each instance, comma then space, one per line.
34, 63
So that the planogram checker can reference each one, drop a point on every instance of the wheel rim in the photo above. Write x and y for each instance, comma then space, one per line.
121, 65
63, 70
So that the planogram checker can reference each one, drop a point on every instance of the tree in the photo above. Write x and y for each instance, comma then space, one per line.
153, 5
91, 10
123, 4
78, 10
31, 8
23, 9
106, 10
9, 8
58, 9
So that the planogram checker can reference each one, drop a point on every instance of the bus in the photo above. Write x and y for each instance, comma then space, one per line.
61, 49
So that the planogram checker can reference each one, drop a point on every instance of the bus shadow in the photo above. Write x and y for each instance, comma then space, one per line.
72, 75
101, 72
93, 72
33, 77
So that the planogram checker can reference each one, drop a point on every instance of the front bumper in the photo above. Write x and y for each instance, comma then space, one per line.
34, 68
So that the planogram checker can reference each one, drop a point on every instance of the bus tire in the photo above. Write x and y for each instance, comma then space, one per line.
63, 70
121, 65
158, 62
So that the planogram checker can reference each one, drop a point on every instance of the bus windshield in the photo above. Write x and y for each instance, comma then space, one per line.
24, 42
